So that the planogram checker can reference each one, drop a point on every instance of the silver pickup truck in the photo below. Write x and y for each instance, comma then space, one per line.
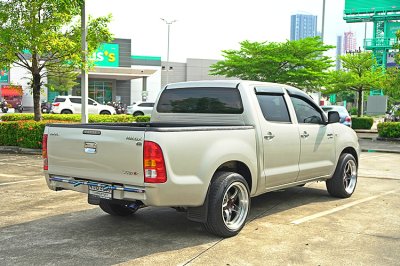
210, 146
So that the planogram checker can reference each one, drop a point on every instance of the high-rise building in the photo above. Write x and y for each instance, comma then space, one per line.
349, 42
338, 52
302, 26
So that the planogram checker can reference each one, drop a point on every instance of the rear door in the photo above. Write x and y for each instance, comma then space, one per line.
317, 157
281, 143
101, 154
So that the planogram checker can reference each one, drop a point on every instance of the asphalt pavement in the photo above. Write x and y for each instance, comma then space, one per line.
296, 226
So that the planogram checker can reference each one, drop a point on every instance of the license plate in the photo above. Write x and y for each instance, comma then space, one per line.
100, 191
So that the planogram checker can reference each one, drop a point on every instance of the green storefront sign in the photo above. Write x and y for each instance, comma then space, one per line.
3, 76
107, 55
392, 28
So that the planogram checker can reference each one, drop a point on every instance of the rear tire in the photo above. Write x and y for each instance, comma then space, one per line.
228, 204
344, 180
116, 209
66, 112
138, 113
105, 113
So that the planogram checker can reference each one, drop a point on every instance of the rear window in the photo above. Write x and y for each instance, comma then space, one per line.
201, 100
59, 100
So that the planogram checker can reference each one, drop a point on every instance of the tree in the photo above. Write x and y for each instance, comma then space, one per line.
60, 78
391, 86
360, 73
39, 35
299, 63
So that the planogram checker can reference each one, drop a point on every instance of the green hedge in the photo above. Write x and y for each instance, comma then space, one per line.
389, 129
24, 134
72, 118
362, 122
18, 131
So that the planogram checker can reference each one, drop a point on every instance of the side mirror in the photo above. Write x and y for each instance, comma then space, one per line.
333, 117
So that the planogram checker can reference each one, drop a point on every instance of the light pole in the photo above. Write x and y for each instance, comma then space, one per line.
323, 21
169, 23
84, 74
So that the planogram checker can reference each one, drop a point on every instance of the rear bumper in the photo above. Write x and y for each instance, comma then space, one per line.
161, 195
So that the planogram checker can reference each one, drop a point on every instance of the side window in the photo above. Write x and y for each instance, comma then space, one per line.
75, 100
306, 112
91, 102
59, 100
273, 107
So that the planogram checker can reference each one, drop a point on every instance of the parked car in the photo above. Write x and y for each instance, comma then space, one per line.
72, 105
345, 118
209, 147
140, 108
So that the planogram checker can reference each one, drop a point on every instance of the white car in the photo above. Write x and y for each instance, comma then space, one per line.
140, 108
72, 105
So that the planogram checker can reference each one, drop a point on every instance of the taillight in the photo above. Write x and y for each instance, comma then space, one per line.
348, 119
44, 153
153, 163
56, 104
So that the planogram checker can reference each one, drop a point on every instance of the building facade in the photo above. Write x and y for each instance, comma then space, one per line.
118, 75
339, 51
302, 26
349, 42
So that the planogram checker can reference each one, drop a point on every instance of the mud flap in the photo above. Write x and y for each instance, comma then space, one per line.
198, 214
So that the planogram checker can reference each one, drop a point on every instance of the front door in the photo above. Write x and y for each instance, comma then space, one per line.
317, 156
280, 137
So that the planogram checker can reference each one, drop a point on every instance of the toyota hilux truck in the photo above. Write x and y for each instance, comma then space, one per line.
209, 147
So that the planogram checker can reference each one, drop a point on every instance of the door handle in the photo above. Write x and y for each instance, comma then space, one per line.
269, 136
305, 134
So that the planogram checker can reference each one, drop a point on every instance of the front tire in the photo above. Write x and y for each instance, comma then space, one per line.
344, 180
228, 204
116, 209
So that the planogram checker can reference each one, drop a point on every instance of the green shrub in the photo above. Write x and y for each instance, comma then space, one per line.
362, 122
71, 117
143, 118
353, 111
389, 129
8, 136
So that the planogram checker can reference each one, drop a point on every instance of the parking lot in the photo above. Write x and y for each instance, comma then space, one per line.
297, 226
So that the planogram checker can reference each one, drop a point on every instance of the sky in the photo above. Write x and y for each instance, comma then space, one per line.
204, 28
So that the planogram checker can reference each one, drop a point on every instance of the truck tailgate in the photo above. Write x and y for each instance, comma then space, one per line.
106, 155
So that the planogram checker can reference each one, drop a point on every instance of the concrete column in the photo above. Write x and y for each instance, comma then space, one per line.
144, 89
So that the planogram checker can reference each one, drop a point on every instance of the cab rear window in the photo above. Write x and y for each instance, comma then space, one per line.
206, 100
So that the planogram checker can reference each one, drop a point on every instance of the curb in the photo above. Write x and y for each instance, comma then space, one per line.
380, 151
19, 150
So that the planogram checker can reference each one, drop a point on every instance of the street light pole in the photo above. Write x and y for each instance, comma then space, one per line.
169, 26
323, 21
84, 74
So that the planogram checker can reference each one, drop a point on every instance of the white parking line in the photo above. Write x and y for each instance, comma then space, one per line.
22, 181
345, 206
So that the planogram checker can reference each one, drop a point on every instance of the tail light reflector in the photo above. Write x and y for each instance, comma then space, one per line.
56, 104
44, 153
348, 119
153, 163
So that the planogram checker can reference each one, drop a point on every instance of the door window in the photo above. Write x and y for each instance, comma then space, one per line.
306, 112
273, 107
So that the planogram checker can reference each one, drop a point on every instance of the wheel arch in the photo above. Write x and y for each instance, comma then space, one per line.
66, 109
351, 151
236, 167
